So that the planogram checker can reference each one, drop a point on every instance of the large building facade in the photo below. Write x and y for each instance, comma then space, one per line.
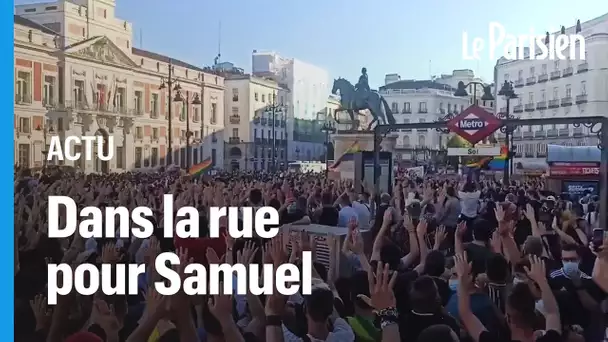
255, 123
553, 88
308, 90
77, 74
414, 101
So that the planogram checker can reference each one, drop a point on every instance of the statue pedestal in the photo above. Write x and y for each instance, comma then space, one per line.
344, 140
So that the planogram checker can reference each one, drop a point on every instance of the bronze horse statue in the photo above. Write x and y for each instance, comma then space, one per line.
353, 101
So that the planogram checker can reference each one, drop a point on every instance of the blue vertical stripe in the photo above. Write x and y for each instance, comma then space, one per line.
7, 69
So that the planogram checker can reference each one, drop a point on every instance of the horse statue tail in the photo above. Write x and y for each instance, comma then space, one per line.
387, 112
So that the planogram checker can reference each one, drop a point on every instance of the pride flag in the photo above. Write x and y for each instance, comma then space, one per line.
200, 168
492, 163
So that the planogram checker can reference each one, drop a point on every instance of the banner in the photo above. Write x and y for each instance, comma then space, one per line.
579, 188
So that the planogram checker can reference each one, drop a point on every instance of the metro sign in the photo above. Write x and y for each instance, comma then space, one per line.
474, 124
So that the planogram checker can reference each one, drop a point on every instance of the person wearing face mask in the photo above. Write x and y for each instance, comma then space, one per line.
576, 289
520, 309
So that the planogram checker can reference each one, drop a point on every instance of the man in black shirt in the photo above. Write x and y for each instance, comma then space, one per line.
423, 310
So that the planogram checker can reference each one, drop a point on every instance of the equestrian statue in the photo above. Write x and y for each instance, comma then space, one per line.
359, 97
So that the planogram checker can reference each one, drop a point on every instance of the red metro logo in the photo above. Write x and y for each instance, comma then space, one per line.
474, 124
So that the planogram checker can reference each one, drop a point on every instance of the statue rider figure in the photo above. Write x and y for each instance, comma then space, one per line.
362, 87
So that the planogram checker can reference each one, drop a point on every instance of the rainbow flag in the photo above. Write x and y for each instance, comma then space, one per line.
354, 148
200, 168
493, 163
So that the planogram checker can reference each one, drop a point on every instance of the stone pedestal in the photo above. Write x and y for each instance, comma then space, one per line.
343, 141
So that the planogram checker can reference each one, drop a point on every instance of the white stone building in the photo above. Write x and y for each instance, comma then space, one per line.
250, 102
306, 101
414, 101
552, 88
77, 74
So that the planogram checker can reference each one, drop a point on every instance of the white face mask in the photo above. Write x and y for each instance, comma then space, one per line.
518, 281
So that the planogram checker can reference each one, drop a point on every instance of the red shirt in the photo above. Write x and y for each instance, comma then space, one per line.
197, 247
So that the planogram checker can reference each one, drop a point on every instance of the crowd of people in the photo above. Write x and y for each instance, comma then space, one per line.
437, 260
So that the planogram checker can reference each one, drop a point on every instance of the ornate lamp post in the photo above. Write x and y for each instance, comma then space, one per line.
461, 91
170, 83
273, 108
328, 128
45, 131
507, 91
187, 101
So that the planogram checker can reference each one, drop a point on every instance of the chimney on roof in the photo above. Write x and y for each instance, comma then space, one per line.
391, 78
578, 26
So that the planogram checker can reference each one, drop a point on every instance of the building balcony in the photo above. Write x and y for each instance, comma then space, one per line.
543, 78
541, 154
422, 129
23, 99
581, 98
139, 112
283, 124
552, 132
442, 110
264, 121
555, 74
567, 72
422, 110
530, 107
49, 103
540, 134
583, 67
577, 131
234, 140
518, 83
541, 105
528, 134
235, 119
516, 135
566, 101
563, 132
531, 80
256, 120
518, 108
553, 103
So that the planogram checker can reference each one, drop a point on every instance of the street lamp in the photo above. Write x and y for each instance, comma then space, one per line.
246, 147
45, 131
170, 83
328, 128
507, 91
187, 102
461, 91
273, 108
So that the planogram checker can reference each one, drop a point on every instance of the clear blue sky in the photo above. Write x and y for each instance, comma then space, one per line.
386, 36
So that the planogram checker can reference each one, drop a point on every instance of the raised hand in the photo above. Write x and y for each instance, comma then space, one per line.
381, 286
463, 267
499, 213
537, 270
41, 312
